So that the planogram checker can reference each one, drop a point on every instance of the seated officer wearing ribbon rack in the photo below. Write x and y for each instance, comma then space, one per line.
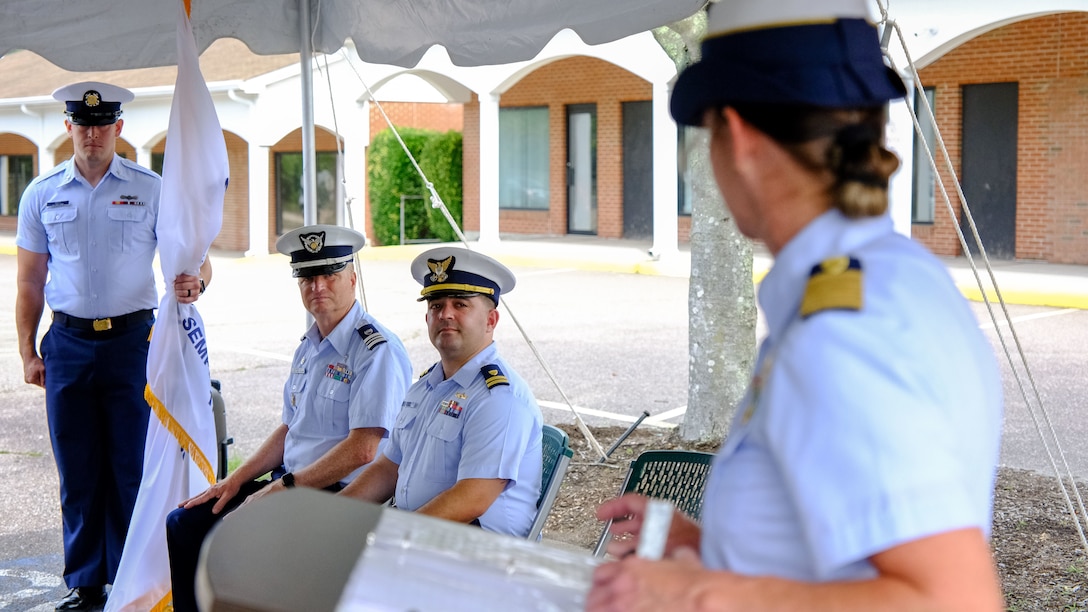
348, 378
86, 243
467, 444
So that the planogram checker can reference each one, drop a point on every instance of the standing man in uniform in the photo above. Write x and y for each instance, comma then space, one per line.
467, 444
347, 381
86, 241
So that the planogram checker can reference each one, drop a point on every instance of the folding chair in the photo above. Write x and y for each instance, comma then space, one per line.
557, 454
220, 413
678, 476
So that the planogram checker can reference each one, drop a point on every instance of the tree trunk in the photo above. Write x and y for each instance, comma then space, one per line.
721, 296
721, 306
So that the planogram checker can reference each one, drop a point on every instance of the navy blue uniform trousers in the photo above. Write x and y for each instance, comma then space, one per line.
94, 399
185, 533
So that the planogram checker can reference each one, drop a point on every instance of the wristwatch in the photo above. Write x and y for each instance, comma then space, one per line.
288, 480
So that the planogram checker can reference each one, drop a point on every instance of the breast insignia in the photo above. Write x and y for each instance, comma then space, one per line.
371, 336
834, 284
493, 376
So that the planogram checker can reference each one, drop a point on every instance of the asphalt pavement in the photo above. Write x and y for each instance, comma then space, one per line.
610, 319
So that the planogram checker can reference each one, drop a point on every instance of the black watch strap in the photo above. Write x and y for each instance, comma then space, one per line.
288, 480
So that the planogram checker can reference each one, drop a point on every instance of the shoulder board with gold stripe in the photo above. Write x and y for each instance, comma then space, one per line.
428, 370
834, 284
493, 376
371, 336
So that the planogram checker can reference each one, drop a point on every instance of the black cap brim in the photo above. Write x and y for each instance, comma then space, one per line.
94, 119
318, 270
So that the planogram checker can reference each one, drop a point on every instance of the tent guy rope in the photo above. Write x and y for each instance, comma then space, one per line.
436, 202
1033, 400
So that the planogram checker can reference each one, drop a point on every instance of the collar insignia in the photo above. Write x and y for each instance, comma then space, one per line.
313, 243
438, 268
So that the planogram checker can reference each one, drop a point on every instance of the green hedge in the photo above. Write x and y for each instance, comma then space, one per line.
390, 174
441, 162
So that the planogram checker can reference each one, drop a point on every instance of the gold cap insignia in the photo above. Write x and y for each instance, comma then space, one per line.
92, 98
438, 268
313, 242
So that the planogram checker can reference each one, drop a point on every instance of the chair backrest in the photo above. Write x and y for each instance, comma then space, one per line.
556, 453
677, 476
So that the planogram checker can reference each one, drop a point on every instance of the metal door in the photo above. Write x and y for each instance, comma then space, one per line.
988, 173
638, 170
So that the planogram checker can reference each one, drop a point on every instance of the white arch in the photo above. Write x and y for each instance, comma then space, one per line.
932, 28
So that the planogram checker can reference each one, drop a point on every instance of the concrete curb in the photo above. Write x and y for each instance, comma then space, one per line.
1028, 298
1042, 293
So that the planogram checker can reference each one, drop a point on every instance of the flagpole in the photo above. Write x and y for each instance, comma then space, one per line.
309, 149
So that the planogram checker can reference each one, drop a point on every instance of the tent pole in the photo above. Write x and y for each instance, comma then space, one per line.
309, 150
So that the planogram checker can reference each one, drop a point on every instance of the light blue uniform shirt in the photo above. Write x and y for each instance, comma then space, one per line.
862, 430
449, 430
347, 380
101, 241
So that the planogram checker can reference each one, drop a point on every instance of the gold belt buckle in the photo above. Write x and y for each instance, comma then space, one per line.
102, 325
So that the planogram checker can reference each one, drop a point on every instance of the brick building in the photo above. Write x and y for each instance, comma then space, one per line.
1012, 107
258, 102
579, 141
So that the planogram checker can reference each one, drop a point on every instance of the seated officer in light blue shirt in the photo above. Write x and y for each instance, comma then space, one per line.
467, 443
348, 379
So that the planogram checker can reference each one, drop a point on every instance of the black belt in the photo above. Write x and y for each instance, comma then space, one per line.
131, 319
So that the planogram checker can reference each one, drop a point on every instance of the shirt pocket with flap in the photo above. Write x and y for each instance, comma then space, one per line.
129, 227
60, 229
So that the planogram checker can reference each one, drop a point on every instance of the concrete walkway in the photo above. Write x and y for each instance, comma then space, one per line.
1019, 282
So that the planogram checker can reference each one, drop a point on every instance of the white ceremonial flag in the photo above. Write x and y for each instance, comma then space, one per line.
180, 454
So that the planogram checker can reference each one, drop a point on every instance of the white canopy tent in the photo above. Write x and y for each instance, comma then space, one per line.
117, 34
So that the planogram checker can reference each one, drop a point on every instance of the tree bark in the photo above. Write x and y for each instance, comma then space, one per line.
721, 296
721, 306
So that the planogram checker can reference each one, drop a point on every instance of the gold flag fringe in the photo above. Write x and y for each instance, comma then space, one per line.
170, 423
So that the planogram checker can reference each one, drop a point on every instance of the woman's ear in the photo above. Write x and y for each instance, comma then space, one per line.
742, 135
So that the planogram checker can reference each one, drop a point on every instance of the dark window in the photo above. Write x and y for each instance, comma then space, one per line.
523, 158
683, 179
923, 198
289, 213
16, 172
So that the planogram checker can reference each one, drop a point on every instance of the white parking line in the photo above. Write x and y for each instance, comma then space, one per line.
1030, 317
668, 414
615, 416
657, 420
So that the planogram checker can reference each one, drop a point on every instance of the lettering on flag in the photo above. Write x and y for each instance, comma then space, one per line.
194, 181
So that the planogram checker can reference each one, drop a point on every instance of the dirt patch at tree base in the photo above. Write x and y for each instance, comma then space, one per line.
1037, 549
